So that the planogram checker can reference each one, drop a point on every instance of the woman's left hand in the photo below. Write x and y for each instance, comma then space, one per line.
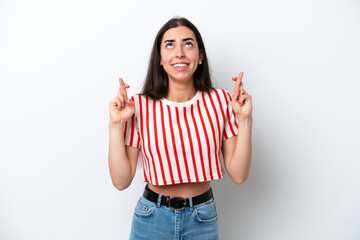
241, 100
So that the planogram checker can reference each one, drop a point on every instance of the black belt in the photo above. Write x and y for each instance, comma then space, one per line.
176, 203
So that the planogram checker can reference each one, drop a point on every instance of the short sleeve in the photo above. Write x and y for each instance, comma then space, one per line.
131, 133
231, 122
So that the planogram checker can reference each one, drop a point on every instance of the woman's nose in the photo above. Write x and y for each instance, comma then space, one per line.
180, 52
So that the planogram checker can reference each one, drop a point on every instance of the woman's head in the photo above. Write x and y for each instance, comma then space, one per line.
156, 84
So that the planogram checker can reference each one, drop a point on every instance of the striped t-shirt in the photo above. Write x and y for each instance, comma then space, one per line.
180, 142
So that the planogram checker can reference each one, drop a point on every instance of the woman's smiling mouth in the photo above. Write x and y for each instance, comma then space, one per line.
180, 66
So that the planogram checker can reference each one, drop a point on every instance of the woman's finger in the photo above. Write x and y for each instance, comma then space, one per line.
236, 93
240, 87
121, 82
246, 99
123, 88
241, 100
122, 93
237, 87
238, 80
121, 97
115, 103
117, 100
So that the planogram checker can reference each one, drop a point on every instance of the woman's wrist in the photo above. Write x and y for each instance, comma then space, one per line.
119, 125
245, 120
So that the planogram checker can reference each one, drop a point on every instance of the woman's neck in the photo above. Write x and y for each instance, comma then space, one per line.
180, 92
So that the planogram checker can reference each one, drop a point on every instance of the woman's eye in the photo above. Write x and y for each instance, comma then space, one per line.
169, 45
189, 44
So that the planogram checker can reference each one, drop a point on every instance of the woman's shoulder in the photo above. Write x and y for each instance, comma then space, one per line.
220, 93
220, 90
141, 98
136, 96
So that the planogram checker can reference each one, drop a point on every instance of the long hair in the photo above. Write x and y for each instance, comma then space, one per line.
156, 82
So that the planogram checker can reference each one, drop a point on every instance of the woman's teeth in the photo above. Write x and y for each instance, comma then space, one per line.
180, 65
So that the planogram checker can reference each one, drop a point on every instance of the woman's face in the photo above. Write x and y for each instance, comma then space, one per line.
180, 54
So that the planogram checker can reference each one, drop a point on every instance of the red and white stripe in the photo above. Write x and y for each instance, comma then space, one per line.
181, 143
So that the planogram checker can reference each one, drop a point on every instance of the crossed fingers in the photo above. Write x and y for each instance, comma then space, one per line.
239, 92
122, 94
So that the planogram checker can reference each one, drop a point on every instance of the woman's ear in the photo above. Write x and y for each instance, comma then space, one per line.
201, 56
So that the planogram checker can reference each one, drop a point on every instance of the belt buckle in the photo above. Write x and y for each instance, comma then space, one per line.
177, 203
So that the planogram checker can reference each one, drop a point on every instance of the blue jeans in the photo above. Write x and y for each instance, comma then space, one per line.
154, 222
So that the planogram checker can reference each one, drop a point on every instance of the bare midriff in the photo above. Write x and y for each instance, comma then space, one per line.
182, 190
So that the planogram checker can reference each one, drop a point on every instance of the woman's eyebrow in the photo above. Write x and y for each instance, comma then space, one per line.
184, 40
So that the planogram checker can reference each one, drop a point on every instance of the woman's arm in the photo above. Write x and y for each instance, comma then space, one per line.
237, 150
122, 159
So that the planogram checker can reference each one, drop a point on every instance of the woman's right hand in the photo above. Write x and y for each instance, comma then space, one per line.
121, 107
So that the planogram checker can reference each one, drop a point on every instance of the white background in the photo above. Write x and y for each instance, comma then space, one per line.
59, 68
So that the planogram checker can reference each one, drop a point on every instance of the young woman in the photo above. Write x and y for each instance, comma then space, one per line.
179, 124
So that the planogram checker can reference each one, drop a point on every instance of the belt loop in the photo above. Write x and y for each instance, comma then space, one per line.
159, 200
191, 204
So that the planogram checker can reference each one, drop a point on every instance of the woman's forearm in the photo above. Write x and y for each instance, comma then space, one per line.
119, 164
239, 164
